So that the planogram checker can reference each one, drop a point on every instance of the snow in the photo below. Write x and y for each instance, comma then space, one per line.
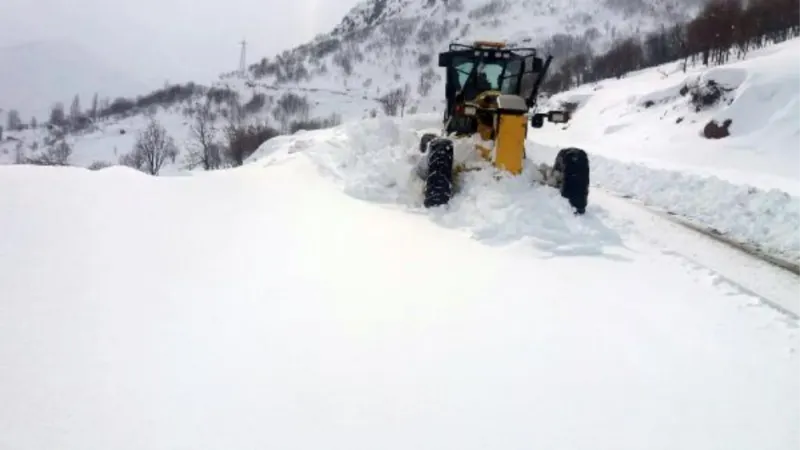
767, 219
763, 149
109, 141
746, 185
385, 41
305, 300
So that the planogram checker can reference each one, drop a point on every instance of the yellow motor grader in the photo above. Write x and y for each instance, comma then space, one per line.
490, 89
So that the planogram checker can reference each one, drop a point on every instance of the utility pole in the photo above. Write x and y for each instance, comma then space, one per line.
243, 59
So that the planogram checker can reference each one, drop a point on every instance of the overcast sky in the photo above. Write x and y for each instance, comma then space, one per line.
179, 40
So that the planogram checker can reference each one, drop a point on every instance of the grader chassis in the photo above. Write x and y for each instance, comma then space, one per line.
490, 89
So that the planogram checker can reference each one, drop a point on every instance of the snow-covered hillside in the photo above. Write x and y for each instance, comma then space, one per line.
381, 45
384, 44
304, 300
102, 144
646, 140
649, 115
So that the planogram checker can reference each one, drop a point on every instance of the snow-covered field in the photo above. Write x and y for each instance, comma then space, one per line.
746, 185
306, 301
115, 137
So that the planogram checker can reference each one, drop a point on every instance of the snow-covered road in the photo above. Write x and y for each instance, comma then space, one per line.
272, 306
645, 137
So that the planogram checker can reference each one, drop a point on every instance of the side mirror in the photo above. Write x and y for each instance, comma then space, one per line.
537, 121
558, 116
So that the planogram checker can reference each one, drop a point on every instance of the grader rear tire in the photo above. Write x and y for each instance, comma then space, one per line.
573, 165
439, 179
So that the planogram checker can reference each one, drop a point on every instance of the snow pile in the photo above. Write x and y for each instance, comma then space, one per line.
374, 160
766, 219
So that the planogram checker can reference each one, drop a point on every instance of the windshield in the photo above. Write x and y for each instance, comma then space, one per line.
489, 75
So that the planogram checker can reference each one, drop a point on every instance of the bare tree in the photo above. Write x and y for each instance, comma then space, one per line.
95, 109
75, 110
14, 121
205, 151
152, 149
57, 116
394, 101
406, 93
244, 140
56, 154
19, 154
133, 159
291, 106
98, 165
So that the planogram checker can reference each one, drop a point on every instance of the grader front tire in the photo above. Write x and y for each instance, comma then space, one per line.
439, 180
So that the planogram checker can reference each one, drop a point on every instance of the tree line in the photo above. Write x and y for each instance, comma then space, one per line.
722, 28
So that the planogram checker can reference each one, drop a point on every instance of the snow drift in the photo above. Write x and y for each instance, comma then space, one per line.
263, 307
374, 160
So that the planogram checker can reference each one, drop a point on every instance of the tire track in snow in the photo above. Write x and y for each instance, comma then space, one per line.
775, 287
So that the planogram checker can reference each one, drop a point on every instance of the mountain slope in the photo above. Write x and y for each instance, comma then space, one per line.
615, 118
386, 44
263, 307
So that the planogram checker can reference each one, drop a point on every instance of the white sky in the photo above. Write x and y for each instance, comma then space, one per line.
175, 40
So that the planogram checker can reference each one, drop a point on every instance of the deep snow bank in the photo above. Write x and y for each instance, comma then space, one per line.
766, 219
374, 160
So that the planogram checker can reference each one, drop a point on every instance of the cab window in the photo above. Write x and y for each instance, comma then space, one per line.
463, 70
510, 81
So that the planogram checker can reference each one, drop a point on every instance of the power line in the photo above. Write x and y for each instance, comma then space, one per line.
243, 59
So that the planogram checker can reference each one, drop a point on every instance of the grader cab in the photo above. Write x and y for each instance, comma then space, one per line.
490, 89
